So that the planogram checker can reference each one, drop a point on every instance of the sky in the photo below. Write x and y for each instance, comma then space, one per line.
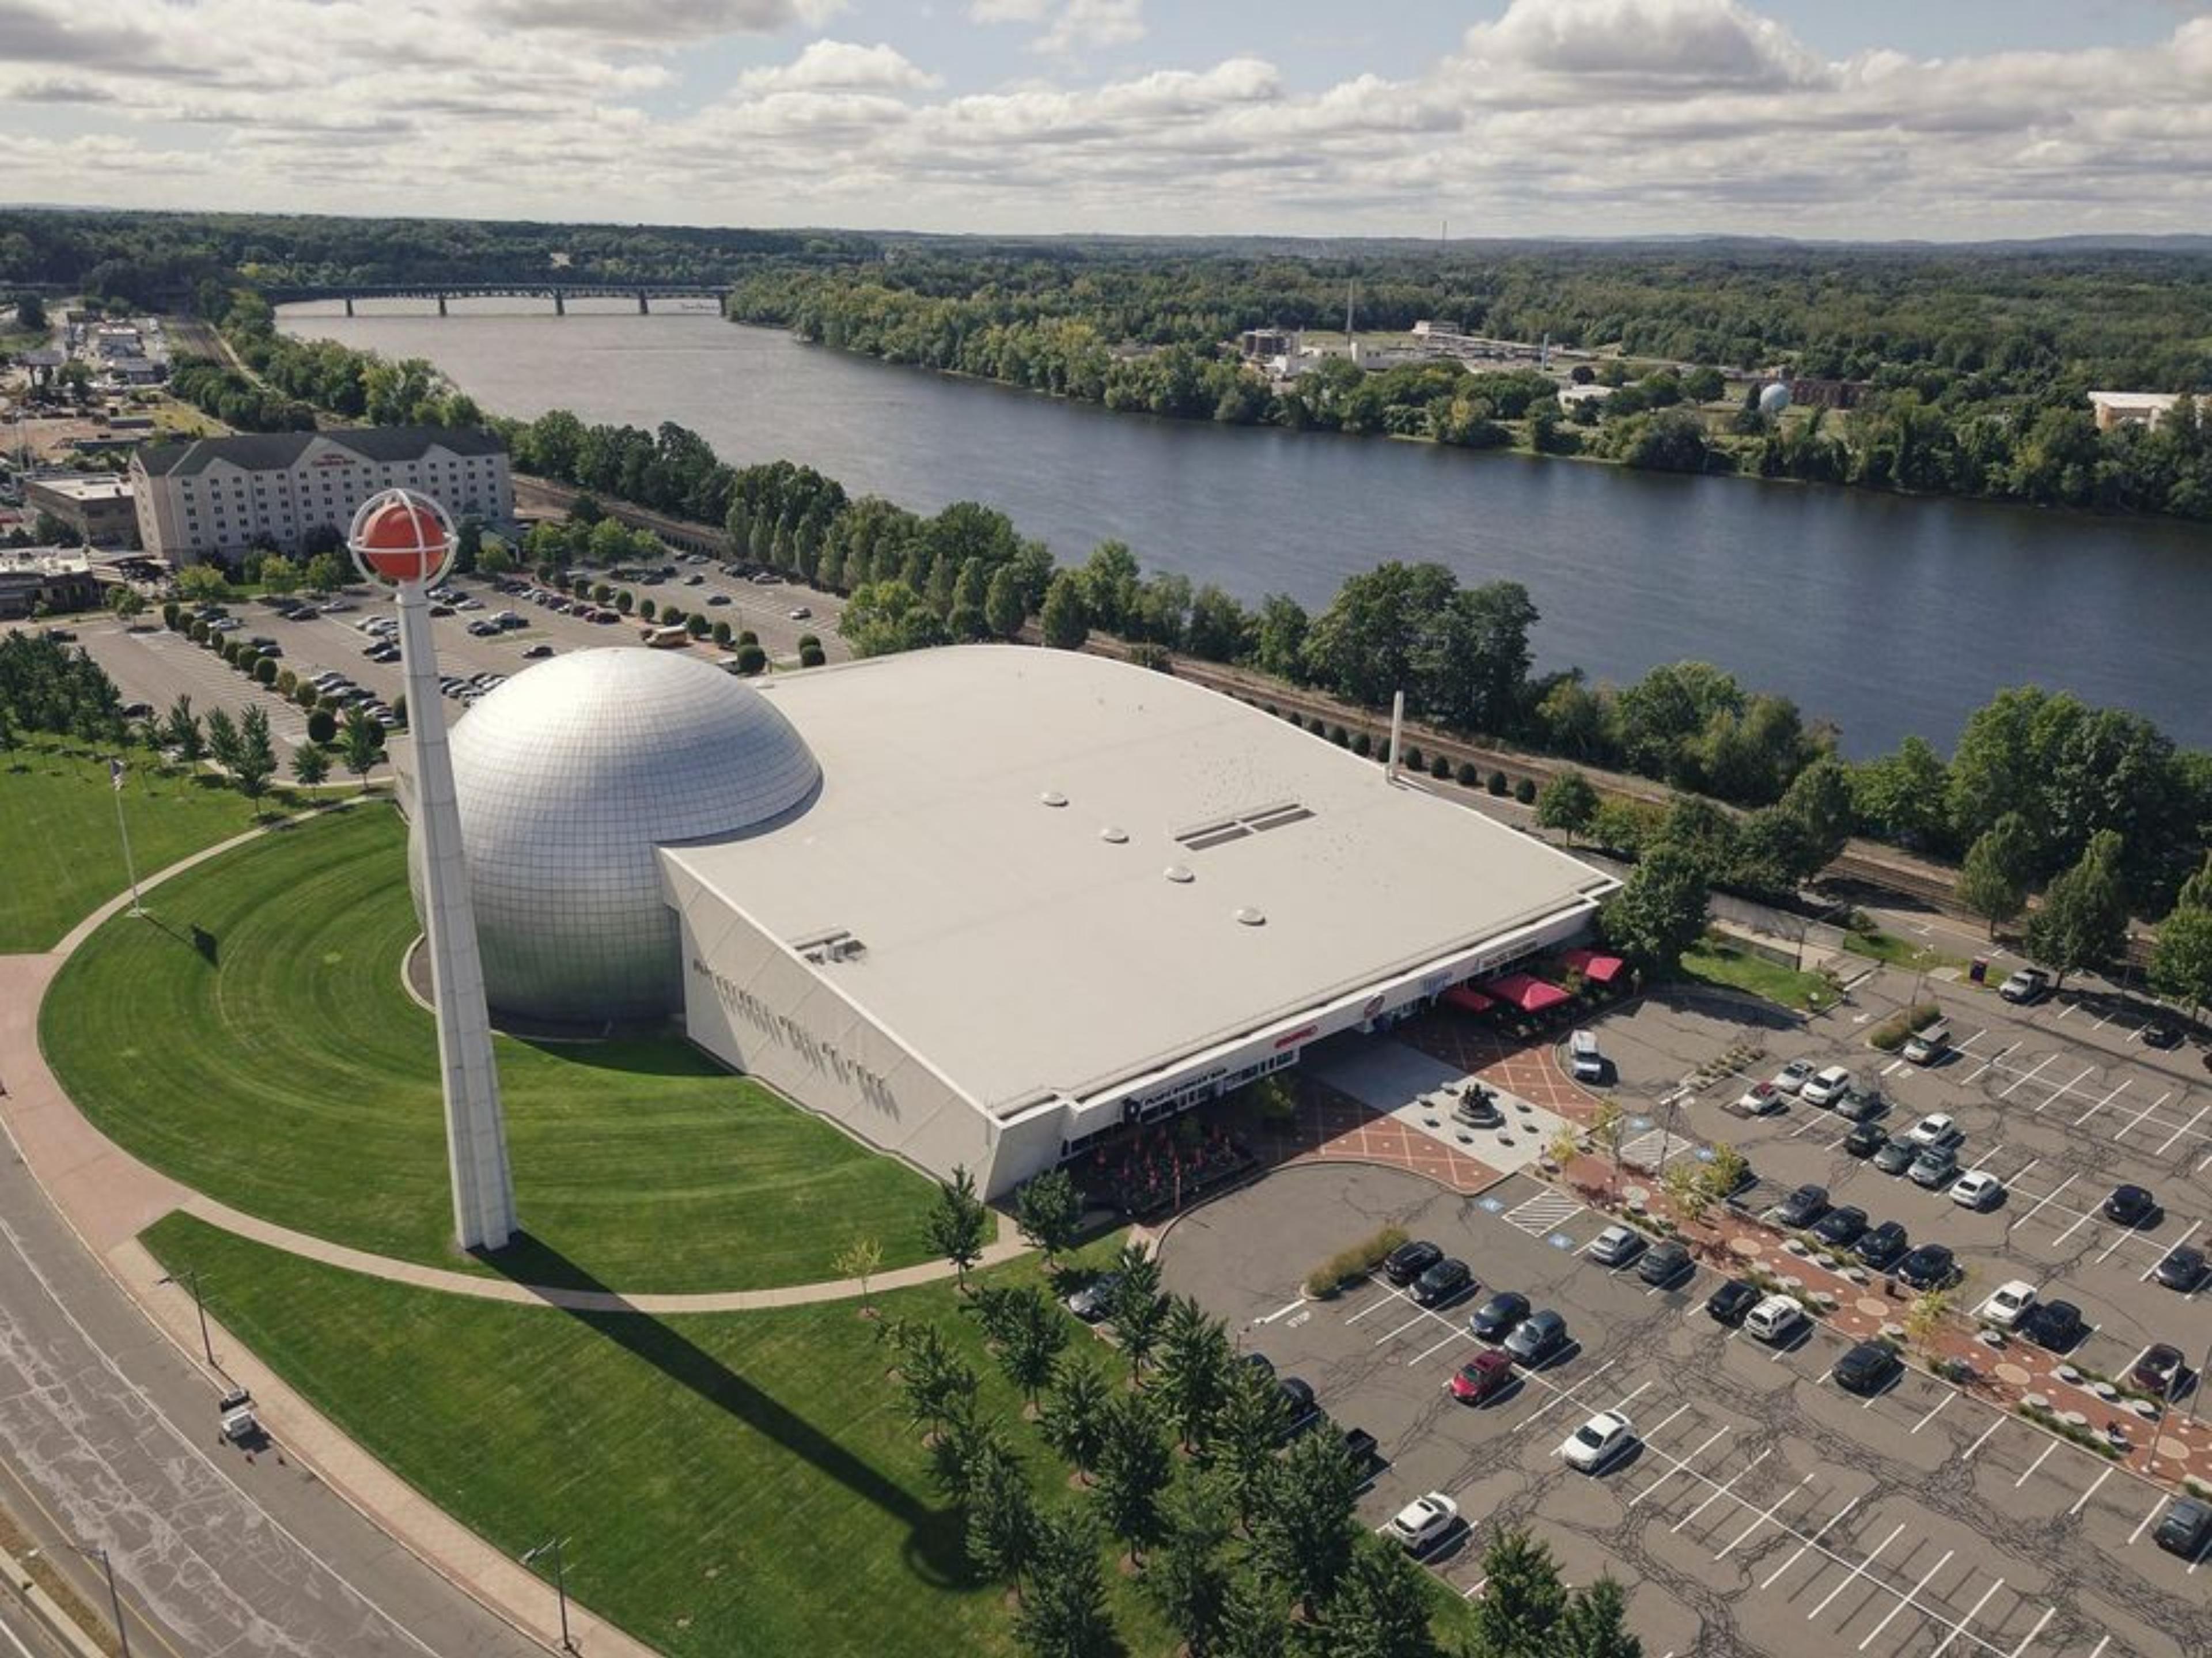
1935, 119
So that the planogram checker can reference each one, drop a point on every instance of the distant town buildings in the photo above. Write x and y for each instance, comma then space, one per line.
213, 498
2131, 408
97, 507
44, 577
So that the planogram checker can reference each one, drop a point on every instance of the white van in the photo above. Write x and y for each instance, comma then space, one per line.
1927, 1044
1773, 1320
1586, 1062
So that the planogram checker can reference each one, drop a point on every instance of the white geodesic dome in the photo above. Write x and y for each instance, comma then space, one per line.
569, 776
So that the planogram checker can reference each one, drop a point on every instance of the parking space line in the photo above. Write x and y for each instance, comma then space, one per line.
2029, 1640
2136, 1120
1811, 1542
2105, 1641
2081, 1219
1417, 1316
1855, 1574
2082, 1502
1901, 1604
1389, 1296
2049, 1446
2100, 1104
2120, 1235
1761, 1518
2063, 1089
1948, 1395
2044, 1199
2007, 1091
2186, 1127
1960, 1628
1986, 1063
1679, 1464
1967, 1456
2144, 1524
1718, 1491
1560, 1395
2157, 1258
1427, 1353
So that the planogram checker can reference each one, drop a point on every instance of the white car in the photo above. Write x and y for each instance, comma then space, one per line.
1759, 1099
1598, 1441
2007, 1304
1935, 1129
1774, 1319
1794, 1076
1827, 1085
1423, 1520
802, 613
1978, 1188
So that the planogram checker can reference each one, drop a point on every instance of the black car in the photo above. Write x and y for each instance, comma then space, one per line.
2131, 1205
1883, 1245
2187, 1527
1260, 1362
2183, 1269
1448, 1280
1802, 1207
1361, 1447
2161, 1035
1537, 1336
1928, 1266
1494, 1319
1865, 1140
2160, 1370
1663, 1263
1728, 1303
1841, 1227
1868, 1368
1299, 1407
1896, 1157
2056, 1325
1409, 1261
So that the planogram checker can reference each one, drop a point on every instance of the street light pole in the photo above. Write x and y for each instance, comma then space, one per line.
190, 1278
560, 1585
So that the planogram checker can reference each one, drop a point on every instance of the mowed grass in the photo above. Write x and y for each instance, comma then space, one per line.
254, 1040
741, 1485
64, 854
1718, 961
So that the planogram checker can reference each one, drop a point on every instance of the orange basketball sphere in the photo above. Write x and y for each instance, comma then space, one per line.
401, 540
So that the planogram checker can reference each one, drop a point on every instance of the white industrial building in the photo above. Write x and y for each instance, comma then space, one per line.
212, 498
977, 905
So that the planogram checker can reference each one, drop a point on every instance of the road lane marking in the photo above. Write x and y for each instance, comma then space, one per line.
1281, 1311
1908, 1599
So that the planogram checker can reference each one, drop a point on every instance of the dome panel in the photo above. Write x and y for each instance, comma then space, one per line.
568, 775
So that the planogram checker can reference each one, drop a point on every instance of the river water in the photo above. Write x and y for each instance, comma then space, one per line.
1884, 615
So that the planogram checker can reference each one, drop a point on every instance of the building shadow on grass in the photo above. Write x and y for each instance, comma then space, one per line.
934, 1549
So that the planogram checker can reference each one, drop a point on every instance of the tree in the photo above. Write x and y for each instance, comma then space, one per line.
1139, 1309
1074, 1414
279, 574
1048, 1209
361, 743
957, 1222
1003, 610
2083, 920
222, 738
859, 1260
1036, 1330
322, 726
1687, 1191
1924, 1318
1993, 880
310, 765
1190, 1578
1659, 911
255, 761
884, 617
1567, 802
1522, 1602
1195, 1368
1064, 1614
2181, 967
495, 559
1110, 586
1820, 799
126, 602
1002, 1519
1305, 1530
1255, 1623
180, 730
30, 315
324, 574
1380, 1609
1901, 796
203, 583
1254, 1418
1596, 1623
1067, 624
1134, 1467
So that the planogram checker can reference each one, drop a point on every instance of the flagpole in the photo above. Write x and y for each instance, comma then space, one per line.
129, 864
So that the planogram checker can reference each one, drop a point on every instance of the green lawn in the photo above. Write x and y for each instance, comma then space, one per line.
1877, 946
255, 1041
64, 856
1718, 961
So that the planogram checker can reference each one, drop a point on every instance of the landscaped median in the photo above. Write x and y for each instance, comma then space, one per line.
253, 1040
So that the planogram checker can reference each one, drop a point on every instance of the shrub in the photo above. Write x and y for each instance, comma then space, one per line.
812, 656
672, 615
1353, 1261
748, 637
624, 600
805, 639
1339, 736
1889, 1035
1415, 760
751, 659
645, 608
1440, 769
1363, 746
722, 632
601, 592
306, 696
322, 727
1498, 784
1525, 791
1155, 657
696, 625
228, 652
171, 612
265, 671
287, 683
1467, 775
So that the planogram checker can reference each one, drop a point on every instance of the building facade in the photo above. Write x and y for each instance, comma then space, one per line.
46, 580
213, 498
99, 509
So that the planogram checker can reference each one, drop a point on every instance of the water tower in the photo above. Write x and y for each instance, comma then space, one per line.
405, 539
1773, 398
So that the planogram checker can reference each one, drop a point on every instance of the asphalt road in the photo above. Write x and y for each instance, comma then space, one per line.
107, 1439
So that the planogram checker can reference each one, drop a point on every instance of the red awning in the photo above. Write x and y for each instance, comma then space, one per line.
1603, 970
1530, 995
1467, 997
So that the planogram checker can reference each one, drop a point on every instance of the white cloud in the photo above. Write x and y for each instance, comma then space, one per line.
642, 21
1084, 24
1647, 47
1008, 11
838, 64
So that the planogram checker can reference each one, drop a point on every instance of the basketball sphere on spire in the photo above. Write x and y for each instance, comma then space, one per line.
398, 536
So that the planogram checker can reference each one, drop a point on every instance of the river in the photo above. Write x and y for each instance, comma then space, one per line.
1884, 615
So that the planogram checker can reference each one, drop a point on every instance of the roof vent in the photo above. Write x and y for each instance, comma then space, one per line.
1251, 917
1052, 798
1176, 873
1113, 835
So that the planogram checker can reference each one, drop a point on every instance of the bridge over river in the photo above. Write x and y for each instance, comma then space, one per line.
559, 293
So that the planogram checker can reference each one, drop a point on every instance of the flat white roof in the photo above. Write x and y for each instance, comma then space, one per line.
1023, 949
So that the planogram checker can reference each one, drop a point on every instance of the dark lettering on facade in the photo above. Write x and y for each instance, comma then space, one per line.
787, 1032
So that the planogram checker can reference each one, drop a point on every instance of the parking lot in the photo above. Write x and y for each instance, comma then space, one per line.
1765, 1510
155, 667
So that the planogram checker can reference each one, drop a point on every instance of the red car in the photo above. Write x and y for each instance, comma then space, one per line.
1482, 1377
